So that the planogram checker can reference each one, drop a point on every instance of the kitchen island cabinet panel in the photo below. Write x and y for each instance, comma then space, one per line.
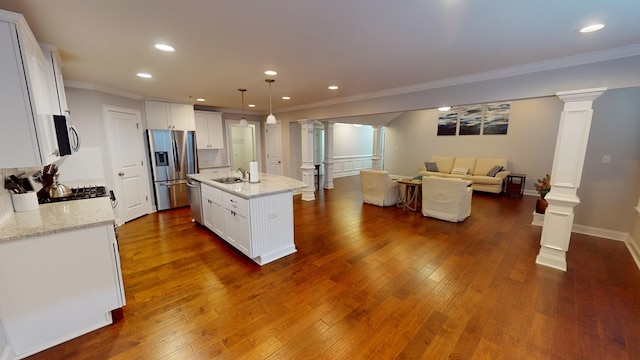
213, 210
271, 227
237, 223
258, 217
58, 286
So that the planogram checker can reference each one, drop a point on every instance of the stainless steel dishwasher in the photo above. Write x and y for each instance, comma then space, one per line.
195, 200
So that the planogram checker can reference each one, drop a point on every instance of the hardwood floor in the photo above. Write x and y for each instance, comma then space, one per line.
370, 283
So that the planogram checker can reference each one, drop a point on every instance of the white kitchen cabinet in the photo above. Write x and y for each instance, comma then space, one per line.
28, 138
169, 116
56, 83
58, 286
236, 223
207, 209
209, 130
213, 209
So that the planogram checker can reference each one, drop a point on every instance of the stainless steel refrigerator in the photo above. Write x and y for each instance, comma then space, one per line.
173, 156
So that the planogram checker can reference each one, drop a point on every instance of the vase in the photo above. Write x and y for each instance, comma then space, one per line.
541, 205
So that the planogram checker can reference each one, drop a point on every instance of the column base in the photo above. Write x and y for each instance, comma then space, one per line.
552, 258
308, 195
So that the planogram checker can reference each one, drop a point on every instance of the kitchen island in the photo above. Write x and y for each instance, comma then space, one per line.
255, 218
60, 274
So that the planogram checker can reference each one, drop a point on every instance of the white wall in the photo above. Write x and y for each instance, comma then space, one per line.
352, 149
86, 115
609, 192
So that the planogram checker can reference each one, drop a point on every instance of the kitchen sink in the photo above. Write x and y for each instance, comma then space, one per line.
228, 180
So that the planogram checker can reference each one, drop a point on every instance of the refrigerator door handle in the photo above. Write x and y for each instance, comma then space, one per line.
176, 160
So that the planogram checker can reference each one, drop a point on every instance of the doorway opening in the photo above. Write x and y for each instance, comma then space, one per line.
243, 145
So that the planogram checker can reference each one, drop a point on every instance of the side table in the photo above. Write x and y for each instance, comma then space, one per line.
515, 184
412, 194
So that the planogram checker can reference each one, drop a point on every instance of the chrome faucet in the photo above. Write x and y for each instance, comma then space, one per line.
243, 171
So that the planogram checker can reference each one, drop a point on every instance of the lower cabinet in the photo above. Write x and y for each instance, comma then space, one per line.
237, 223
260, 227
213, 209
58, 286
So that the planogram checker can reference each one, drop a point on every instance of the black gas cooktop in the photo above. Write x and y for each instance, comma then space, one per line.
79, 193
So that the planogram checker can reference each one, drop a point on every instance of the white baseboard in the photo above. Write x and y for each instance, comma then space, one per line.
538, 220
634, 250
603, 233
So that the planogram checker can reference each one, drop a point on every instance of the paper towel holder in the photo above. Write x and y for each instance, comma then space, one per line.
253, 172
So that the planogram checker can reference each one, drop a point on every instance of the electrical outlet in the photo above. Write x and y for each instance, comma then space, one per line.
606, 159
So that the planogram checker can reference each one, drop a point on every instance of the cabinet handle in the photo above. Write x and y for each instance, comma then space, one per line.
120, 174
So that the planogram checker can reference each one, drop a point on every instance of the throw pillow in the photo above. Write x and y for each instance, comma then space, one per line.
460, 171
431, 166
494, 170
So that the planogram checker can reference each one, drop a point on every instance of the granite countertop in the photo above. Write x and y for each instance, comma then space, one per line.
57, 217
269, 184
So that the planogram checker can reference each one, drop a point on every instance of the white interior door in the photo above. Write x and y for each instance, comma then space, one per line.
274, 145
126, 152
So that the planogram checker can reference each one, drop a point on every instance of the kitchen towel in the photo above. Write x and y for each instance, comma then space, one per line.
254, 176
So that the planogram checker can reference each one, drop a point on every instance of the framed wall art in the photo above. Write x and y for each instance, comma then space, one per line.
496, 118
470, 120
448, 122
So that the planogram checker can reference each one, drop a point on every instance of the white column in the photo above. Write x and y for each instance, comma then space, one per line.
308, 168
328, 154
376, 159
568, 160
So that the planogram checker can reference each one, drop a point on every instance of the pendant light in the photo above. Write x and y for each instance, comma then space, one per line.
271, 119
243, 121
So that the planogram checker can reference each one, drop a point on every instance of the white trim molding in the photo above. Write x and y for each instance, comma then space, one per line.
351, 165
633, 249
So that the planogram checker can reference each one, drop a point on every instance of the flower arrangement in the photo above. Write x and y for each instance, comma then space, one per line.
543, 186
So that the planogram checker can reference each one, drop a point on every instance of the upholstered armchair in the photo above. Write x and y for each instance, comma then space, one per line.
378, 188
446, 199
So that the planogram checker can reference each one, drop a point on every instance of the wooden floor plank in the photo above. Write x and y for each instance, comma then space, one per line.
369, 283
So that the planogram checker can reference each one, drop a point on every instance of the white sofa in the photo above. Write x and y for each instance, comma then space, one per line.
470, 168
378, 188
446, 199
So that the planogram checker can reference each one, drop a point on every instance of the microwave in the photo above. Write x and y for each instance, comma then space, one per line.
66, 136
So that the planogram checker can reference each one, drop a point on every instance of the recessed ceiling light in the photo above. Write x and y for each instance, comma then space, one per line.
286, 98
444, 108
251, 105
271, 72
333, 87
144, 75
165, 47
200, 99
591, 28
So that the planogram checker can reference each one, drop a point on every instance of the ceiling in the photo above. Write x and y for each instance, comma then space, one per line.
365, 47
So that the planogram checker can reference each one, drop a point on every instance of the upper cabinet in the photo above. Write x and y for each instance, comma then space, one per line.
29, 137
57, 95
209, 130
169, 116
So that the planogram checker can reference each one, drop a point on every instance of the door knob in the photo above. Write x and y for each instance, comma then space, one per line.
120, 173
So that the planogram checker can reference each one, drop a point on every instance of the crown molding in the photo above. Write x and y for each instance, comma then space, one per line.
547, 65
104, 89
